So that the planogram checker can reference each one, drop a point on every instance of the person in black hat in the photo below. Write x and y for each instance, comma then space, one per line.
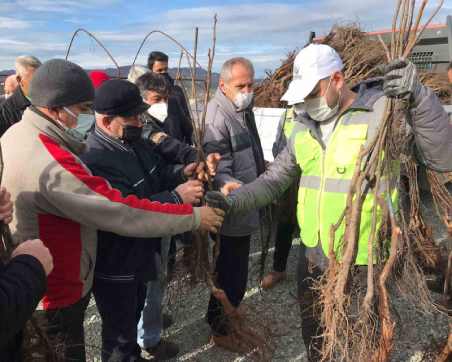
117, 152
57, 199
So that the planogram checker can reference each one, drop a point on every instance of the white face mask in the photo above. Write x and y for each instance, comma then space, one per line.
243, 100
159, 111
318, 108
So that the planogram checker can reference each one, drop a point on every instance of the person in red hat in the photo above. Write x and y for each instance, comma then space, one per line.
98, 77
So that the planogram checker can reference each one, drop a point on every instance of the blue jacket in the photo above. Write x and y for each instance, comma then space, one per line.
134, 170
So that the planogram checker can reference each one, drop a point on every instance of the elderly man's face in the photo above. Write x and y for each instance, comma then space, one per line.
160, 67
153, 97
242, 80
24, 80
116, 125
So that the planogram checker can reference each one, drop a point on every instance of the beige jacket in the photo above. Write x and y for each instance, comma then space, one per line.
58, 200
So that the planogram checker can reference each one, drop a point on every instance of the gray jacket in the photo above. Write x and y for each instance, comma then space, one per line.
430, 125
280, 139
227, 133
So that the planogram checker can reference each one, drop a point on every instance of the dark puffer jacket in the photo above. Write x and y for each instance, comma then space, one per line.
134, 170
22, 285
179, 123
169, 147
12, 109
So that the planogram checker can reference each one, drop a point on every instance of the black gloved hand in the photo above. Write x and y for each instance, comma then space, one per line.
217, 200
400, 79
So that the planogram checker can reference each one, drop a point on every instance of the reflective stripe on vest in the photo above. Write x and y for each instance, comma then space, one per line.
326, 180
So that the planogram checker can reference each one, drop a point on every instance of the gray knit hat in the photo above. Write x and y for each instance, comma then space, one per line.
59, 83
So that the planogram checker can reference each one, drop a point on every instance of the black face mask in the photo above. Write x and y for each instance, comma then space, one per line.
131, 134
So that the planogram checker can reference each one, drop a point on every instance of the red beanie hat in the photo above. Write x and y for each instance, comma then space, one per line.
98, 77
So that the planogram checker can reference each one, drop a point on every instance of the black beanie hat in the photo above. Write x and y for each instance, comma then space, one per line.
59, 83
118, 97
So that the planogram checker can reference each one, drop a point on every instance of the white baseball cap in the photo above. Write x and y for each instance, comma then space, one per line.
313, 63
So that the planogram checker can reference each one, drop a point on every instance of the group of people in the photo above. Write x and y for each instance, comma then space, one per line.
101, 179
105, 194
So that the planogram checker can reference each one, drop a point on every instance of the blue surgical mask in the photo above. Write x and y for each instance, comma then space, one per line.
84, 123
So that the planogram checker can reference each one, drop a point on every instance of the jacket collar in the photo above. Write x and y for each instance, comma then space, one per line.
148, 118
368, 92
47, 126
224, 102
109, 140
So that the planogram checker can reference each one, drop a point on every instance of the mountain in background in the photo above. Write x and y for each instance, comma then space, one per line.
113, 72
185, 73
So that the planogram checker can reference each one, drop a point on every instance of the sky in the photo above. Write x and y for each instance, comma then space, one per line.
263, 31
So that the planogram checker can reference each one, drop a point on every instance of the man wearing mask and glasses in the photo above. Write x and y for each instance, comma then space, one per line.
333, 123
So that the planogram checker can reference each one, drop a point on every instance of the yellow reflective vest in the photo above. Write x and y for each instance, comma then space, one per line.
289, 122
326, 179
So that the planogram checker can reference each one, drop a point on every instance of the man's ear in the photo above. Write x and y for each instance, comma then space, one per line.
106, 121
221, 85
339, 79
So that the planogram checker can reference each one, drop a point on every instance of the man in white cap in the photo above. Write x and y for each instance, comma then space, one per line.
332, 123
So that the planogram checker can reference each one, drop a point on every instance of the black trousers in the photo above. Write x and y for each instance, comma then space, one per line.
308, 298
232, 277
120, 305
311, 329
64, 329
283, 244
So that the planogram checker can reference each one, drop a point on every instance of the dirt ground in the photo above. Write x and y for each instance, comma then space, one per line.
279, 308
416, 333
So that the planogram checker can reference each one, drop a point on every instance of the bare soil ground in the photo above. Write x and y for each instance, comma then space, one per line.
417, 333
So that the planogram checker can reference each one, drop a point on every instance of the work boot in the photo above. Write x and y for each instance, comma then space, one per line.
230, 343
272, 278
163, 351
167, 320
